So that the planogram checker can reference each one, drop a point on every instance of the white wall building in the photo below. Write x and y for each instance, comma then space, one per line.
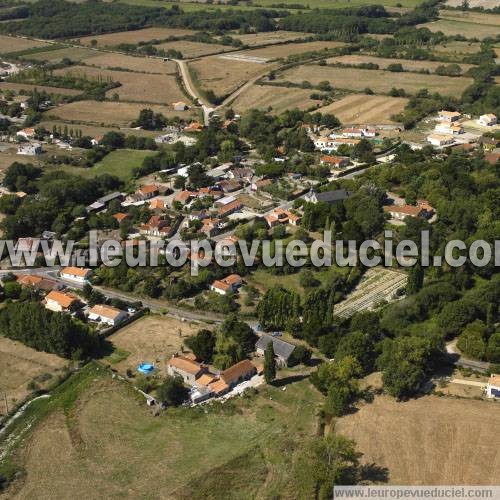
107, 314
77, 274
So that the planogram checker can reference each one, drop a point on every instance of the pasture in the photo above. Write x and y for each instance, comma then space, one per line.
134, 86
119, 163
378, 81
55, 56
278, 99
134, 36
12, 44
457, 47
439, 446
93, 130
20, 365
133, 63
104, 443
152, 338
408, 65
107, 113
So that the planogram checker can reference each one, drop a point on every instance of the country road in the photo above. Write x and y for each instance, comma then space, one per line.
461, 360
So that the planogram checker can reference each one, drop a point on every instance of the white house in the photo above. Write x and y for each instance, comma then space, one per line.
180, 106
107, 314
488, 120
76, 274
449, 128
230, 283
26, 133
493, 387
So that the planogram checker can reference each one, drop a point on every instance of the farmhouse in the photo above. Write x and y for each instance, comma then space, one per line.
186, 368
440, 140
184, 197
352, 132
180, 106
120, 217
237, 373
230, 185
156, 226
282, 349
493, 387
26, 133
76, 274
334, 161
401, 212
107, 314
449, 116
330, 197
29, 149
280, 216
148, 191
60, 302
260, 184
230, 208
230, 283
488, 120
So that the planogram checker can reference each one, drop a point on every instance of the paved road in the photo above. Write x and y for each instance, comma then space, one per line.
461, 360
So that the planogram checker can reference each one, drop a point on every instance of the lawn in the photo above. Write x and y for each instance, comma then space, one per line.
120, 163
104, 443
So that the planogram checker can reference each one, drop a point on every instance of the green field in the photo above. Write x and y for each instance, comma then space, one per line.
120, 163
104, 443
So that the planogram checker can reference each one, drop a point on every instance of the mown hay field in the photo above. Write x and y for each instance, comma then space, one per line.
135, 86
278, 99
378, 81
225, 75
265, 38
55, 56
408, 65
485, 4
12, 44
133, 63
107, 113
428, 440
194, 49
94, 130
134, 36
288, 49
20, 365
358, 109
457, 47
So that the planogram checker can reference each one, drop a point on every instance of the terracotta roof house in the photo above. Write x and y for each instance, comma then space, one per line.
60, 302
39, 282
194, 127
230, 185
156, 226
401, 212
187, 369
219, 387
280, 216
185, 196
334, 161
239, 372
157, 204
261, 184
148, 191
228, 284
230, 208
449, 116
107, 314
77, 274
120, 217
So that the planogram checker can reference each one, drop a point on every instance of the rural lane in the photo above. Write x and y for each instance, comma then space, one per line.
461, 360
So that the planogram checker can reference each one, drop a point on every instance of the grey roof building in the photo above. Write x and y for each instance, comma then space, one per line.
282, 349
330, 197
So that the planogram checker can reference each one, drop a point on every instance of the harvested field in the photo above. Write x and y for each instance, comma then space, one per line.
285, 50
383, 62
223, 77
357, 109
19, 365
153, 338
279, 99
377, 285
194, 49
485, 4
94, 131
132, 63
13, 44
27, 87
439, 446
115, 114
54, 56
467, 24
378, 80
135, 86
134, 36
265, 38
